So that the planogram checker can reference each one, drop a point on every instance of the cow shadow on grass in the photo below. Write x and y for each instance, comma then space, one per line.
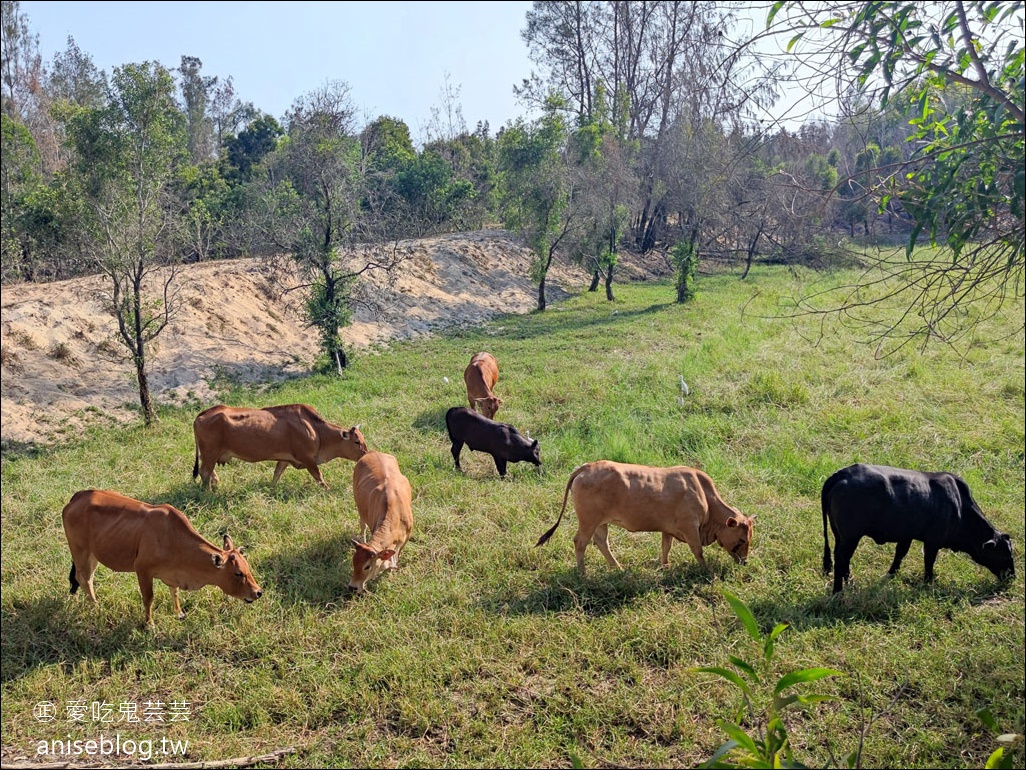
63, 631
602, 591
433, 420
879, 601
314, 573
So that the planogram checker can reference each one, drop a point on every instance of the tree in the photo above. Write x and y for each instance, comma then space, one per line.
19, 178
127, 158
196, 95
537, 193
313, 206
607, 188
963, 184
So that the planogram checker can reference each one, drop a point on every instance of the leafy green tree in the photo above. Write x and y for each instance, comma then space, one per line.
311, 204
964, 182
19, 176
128, 155
242, 153
537, 194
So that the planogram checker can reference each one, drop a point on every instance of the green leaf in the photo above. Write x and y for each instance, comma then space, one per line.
745, 666
719, 753
744, 741
744, 615
804, 675
987, 718
727, 674
793, 40
998, 760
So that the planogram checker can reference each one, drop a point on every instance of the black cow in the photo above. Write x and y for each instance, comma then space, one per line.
502, 441
894, 505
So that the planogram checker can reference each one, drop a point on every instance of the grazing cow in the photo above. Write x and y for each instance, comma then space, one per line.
154, 541
481, 375
680, 502
502, 441
293, 434
895, 505
384, 502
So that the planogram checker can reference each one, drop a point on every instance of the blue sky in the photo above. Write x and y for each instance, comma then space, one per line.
395, 56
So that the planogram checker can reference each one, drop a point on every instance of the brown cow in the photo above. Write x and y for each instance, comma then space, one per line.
293, 434
154, 541
680, 502
481, 375
384, 501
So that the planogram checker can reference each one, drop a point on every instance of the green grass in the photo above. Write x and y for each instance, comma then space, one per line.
485, 651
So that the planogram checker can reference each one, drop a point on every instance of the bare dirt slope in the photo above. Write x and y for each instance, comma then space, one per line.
59, 374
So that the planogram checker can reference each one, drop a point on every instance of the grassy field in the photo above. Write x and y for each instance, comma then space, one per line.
482, 650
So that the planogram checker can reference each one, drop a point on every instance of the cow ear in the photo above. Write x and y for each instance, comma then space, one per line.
534, 443
217, 560
228, 544
990, 543
385, 555
732, 522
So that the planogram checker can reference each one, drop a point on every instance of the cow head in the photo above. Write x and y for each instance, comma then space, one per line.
366, 564
234, 576
736, 536
996, 555
351, 445
489, 405
535, 453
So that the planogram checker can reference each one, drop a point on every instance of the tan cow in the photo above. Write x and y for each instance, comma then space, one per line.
293, 434
153, 541
680, 502
480, 376
384, 502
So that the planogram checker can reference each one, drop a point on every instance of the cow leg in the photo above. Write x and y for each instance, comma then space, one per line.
899, 554
457, 447
315, 471
500, 466
694, 540
84, 571
280, 469
665, 556
929, 557
580, 543
208, 475
146, 589
843, 551
174, 598
601, 541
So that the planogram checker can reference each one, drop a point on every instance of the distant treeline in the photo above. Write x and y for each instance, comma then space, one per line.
645, 140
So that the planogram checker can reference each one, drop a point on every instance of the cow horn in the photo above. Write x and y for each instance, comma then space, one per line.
228, 544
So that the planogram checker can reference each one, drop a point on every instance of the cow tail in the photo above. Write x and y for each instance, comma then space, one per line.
824, 503
566, 494
72, 579
195, 465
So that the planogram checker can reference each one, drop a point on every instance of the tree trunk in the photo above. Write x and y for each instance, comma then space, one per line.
751, 253
144, 390
609, 283
541, 293
595, 278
